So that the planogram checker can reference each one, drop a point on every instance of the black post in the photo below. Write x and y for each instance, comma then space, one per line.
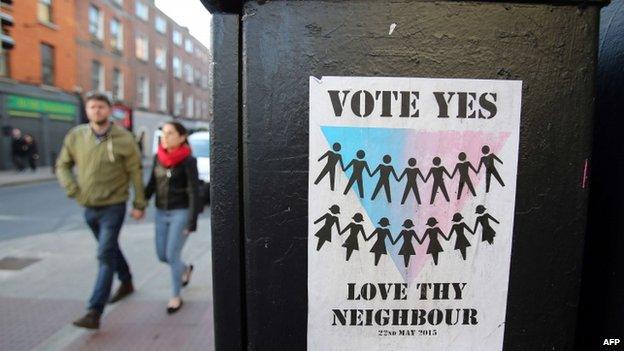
601, 311
226, 187
552, 49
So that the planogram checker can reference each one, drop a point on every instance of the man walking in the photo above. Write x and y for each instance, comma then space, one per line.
107, 160
19, 149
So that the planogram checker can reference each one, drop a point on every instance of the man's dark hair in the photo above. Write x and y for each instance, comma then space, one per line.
98, 97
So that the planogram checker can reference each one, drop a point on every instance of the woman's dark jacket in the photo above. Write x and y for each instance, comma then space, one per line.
176, 187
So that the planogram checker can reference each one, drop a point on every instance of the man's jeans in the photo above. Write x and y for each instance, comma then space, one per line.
106, 222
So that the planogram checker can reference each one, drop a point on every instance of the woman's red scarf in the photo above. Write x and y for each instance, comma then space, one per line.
174, 157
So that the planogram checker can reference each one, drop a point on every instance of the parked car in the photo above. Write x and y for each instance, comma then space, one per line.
200, 144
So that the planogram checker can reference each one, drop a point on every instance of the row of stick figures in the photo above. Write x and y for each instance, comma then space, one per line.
407, 249
437, 173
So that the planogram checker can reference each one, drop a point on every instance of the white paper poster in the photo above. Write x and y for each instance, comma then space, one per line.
411, 204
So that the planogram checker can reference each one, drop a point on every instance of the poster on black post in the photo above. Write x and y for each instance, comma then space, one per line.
411, 204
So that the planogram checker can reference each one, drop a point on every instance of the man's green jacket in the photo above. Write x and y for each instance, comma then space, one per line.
105, 166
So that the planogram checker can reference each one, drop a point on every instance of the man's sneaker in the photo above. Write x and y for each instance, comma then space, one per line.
91, 320
124, 290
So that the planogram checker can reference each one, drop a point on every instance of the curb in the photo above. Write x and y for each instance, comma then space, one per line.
26, 181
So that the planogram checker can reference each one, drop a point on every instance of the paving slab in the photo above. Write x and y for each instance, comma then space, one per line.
39, 301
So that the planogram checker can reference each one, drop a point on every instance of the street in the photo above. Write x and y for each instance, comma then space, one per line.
36, 209
48, 265
41, 208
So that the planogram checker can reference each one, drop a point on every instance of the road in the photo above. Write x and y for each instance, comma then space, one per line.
42, 208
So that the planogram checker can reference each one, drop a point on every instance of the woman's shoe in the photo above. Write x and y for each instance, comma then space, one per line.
172, 310
187, 273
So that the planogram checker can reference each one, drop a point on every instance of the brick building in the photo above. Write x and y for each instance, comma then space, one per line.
42, 54
104, 48
143, 59
37, 70
134, 51
127, 48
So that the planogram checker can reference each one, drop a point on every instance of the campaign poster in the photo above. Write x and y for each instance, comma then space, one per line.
411, 189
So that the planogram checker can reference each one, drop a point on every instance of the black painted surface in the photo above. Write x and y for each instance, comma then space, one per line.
236, 6
223, 6
602, 309
551, 48
227, 275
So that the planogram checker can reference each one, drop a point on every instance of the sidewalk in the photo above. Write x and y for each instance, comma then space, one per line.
12, 177
39, 302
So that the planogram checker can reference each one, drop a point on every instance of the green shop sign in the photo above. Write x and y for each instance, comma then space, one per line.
27, 104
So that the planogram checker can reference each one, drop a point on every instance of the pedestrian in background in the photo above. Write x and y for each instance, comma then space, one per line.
18, 149
175, 182
32, 152
107, 160
140, 141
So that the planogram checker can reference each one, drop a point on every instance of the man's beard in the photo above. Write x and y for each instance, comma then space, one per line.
101, 123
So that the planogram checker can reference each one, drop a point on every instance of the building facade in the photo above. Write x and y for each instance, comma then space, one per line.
144, 60
141, 57
42, 54
37, 74
128, 49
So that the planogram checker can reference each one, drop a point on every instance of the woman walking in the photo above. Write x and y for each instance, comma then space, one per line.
175, 182
461, 242
488, 233
433, 232
354, 228
379, 247
407, 249
325, 233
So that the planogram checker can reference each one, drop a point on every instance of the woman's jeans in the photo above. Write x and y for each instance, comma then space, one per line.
105, 223
170, 239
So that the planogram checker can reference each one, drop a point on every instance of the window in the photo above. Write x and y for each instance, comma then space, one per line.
205, 81
162, 97
188, 73
189, 106
116, 33
97, 76
143, 92
118, 2
161, 58
118, 85
197, 77
96, 24
197, 109
161, 25
205, 110
178, 103
141, 10
4, 63
142, 47
188, 45
177, 67
47, 64
44, 11
177, 38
